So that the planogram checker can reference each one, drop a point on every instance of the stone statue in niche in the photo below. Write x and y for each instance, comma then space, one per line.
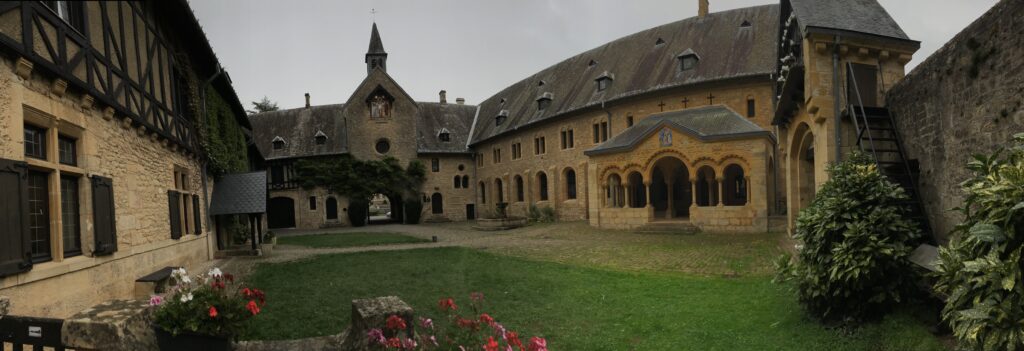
380, 107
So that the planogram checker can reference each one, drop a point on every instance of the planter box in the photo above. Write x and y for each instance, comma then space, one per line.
167, 342
500, 223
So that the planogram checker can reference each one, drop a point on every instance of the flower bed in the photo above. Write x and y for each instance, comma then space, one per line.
211, 312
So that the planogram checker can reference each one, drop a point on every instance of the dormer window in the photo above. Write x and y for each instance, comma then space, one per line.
501, 117
659, 42
541, 83
592, 63
544, 101
320, 137
604, 80
444, 135
688, 60
278, 143
745, 24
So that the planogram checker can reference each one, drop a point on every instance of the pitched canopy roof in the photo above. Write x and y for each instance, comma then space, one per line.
726, 48
862, 16
706, 123
239, 193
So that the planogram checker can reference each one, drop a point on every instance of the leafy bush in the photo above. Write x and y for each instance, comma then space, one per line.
358, 209
533, 214
544, 214
980, 270
413, 210
856, 242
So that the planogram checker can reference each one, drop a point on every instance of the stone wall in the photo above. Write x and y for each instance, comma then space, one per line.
142, 167
965, 99
454, 199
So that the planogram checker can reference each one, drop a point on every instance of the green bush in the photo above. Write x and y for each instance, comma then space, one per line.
533, 214
413, 210
358, 209
544, 214
980, 270
856, 240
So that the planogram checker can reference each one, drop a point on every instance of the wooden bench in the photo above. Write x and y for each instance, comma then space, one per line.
153, 284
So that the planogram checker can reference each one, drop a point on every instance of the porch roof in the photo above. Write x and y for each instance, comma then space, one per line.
239, 193
708, 123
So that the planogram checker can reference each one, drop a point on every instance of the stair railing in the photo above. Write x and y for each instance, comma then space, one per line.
863, 114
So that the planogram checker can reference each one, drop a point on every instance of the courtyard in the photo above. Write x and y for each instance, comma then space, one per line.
580, 287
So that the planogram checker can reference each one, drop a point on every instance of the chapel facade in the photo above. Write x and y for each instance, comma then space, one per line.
723, 121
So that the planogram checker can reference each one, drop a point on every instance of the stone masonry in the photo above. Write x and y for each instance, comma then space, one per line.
965, 99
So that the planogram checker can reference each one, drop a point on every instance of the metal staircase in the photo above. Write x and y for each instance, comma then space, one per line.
877, 136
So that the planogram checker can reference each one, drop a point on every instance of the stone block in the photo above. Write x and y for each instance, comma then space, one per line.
373, 313
112, 325
5, 306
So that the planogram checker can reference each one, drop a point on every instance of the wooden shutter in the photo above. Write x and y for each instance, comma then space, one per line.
15, 256
195, 214
104, 222
173, 199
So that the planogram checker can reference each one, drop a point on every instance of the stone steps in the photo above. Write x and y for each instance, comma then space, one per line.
679, 227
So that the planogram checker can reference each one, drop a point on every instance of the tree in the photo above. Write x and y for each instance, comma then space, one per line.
358, 180
264, 105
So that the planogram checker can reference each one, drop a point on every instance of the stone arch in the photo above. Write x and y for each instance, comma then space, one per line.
517, 181
670, 187
637, 189
802, 170
706, 186
570, 181
733, 158
735, 190
614, 191
665, 153
543, 193
609, 169
702, 162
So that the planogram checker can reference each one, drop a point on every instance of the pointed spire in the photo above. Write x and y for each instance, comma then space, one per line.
376, 46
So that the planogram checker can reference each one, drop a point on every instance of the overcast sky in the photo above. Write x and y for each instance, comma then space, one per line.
471, 48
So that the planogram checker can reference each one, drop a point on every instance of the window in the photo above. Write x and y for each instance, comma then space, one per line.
72, 229
483, 192
500, 118
276, 174
517, 151
312, 203
570, 184
604, 131
71, 12
597, 133
499, 189
544, 101
542, 186
479, 159
751, 107
382, 146
461, 167
567, 139
688, 62
435, 165
539, 146
465, 181
457, 183
444, 136
35, 142
320, 137
278, 143
39, 215
519, 188
734, 186
184, 205
629, 121
67, 151
496, 155
603, 84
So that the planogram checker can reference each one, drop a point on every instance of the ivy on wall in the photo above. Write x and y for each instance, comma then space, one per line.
222, 137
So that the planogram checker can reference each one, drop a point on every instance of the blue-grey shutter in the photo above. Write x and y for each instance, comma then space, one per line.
15, 250
104, 221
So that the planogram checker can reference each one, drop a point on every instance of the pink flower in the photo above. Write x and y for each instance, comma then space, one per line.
156, 300
409, 344
476, 296
376, 336
538, 344
499, 330
426, 323
486, 319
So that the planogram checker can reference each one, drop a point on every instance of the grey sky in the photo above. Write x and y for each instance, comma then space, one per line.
471, 48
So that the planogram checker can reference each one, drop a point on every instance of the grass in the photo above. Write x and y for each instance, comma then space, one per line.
574, 307
348, 239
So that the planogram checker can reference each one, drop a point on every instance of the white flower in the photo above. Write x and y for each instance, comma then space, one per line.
185, 279
186, 297
179, 272
216, 272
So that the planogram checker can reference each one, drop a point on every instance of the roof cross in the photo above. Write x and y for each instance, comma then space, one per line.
685, 101
711, 99
662, 105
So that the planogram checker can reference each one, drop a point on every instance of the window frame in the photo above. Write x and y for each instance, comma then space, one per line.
39, 141
72, 143
75, 215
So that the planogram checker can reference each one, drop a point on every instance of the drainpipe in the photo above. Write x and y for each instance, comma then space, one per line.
835, 100
206, 195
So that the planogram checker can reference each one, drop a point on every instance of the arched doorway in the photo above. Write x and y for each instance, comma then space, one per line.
436, 204
281, 213
707, 187
332, 209
671, 193
614, 194
385, 209
637, 190
805, 172
734, 186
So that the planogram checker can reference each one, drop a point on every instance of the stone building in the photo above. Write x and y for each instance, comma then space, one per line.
691, 123
102, 150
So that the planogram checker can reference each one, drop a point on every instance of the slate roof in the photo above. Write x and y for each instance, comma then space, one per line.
298, 127
456, 119
706, 123
726, 50
239, 193
376, 45
863, 16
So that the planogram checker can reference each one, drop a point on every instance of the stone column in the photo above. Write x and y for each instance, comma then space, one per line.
602, 194
718, 185
669, 207
647, 190
626, 192
693, 192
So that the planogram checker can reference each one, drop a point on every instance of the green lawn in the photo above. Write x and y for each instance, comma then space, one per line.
574, 307
348, 239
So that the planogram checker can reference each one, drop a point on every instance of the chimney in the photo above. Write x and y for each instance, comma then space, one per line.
460, 101
444, 99
307, 100
702, 9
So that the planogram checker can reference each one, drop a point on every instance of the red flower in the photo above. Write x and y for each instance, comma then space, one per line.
447, 304
394, 342
246, 292
230, 278
538, 344
491, 345
213, 312
486, 319
513, 339
252, 307
395, 323
465, 323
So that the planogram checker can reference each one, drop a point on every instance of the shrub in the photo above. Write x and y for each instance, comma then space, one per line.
547, 214
856, 241
980, 270
501, 210
210, 304
413, 210
533, 214
358, 209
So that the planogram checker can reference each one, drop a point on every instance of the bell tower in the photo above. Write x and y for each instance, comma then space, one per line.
376, 57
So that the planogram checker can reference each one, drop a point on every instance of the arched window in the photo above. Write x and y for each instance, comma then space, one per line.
614, 195
436, 204
483, 192
734, 186
542, 186
519, 188
570, 184
637, 191
707, 187
465, 181
499, 190
457, 182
